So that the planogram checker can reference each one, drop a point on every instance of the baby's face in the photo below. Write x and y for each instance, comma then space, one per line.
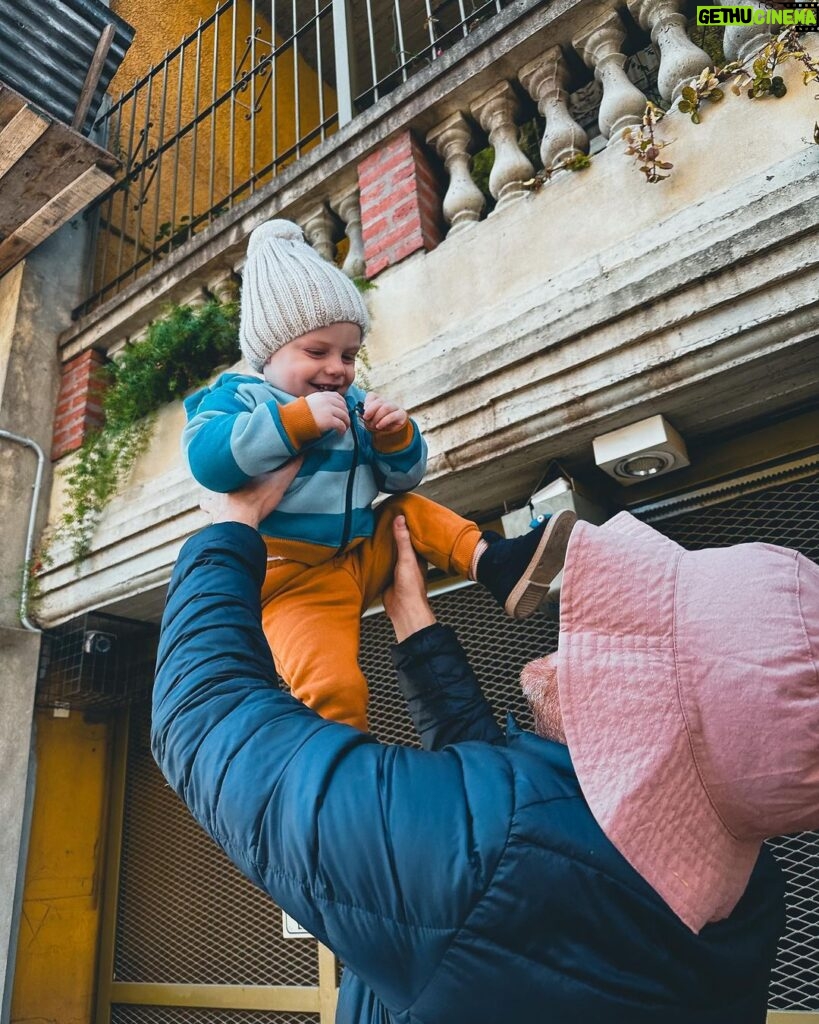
323, 360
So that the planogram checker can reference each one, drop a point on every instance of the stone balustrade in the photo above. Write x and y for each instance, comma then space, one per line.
399, 181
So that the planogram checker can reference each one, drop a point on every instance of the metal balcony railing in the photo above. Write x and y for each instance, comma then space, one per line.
250, 90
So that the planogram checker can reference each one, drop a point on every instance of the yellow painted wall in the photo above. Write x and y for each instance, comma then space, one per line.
160, 26
56, 953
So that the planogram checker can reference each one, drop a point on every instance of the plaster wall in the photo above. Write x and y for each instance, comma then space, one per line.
19, 653
35, 304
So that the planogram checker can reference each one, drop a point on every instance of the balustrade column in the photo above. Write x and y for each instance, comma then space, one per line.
546, 79
496, 111
195, 298
225, 288
464, 202
600, 47
318, 227
680, 58
346, 204
741, 41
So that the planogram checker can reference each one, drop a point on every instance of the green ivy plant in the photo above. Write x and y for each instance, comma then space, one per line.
181, 350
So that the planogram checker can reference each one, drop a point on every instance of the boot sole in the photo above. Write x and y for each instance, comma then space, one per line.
531, 589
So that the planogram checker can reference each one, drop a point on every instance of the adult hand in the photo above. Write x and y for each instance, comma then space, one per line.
329, 411
251, 503
405, 599
383, 416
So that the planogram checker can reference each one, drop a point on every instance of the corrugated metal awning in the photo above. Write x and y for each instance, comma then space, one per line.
48, 47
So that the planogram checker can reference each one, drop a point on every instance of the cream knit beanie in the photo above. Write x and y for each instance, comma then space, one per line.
289, 290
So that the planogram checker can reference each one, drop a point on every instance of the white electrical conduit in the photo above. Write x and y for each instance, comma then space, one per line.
24, 619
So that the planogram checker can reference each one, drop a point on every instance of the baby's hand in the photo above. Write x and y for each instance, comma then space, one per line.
329, 411
383, 416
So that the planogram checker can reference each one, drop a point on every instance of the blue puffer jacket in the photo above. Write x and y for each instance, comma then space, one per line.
466, 885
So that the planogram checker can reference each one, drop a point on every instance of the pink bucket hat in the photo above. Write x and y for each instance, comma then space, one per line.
689, 689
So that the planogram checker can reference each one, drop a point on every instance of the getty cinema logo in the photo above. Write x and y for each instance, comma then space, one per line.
805, 15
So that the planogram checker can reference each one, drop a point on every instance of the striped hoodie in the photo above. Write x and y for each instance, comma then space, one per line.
242, 426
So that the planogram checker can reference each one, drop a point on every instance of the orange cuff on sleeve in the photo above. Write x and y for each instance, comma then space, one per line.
299, 422
396, 440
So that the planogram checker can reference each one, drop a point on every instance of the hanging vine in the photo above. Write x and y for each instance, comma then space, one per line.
181, 350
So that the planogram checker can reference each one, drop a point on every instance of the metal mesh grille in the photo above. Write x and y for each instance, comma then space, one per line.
795, 982
787, 514
185, 913
134, 1014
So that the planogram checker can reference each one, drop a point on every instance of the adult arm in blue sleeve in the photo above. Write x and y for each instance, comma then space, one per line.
443, 696
322, 817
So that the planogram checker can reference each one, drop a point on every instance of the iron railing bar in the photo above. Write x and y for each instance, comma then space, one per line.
291, 39
180, 87
274, 96
373, 60
296, 98
462, 12
399, 30
214, 86
158, 176
341, 53
95, 268
193, 123
127, 186
319, 75
145, 163
430, 25
232, 108
253, 34
195, 133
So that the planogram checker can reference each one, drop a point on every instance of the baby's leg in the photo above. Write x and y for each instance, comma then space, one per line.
439, 535
516, 571
311, 616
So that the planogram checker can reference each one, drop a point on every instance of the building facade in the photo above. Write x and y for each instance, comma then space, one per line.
537, 288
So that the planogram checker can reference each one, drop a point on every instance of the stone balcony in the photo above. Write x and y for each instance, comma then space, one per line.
569, 310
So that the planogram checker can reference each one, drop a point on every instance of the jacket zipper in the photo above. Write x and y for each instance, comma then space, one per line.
348, 502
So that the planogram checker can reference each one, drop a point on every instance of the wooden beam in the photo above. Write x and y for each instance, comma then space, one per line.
64, 205
19, 135
93, 76
287, 998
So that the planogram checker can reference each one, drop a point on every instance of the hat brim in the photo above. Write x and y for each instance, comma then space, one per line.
624, 722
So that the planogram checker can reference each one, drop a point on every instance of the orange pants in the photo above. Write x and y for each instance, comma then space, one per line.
311, 614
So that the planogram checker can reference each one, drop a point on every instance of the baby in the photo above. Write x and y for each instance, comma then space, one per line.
330, 553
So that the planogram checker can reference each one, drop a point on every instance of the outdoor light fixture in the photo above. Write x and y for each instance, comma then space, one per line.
640, 451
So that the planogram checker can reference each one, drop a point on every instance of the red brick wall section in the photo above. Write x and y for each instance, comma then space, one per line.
401, 200
79, 405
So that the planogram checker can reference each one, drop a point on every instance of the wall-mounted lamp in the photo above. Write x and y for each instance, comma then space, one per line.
640, 451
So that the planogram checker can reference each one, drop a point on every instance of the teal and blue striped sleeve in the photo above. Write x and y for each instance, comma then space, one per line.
226, 442
402, 469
